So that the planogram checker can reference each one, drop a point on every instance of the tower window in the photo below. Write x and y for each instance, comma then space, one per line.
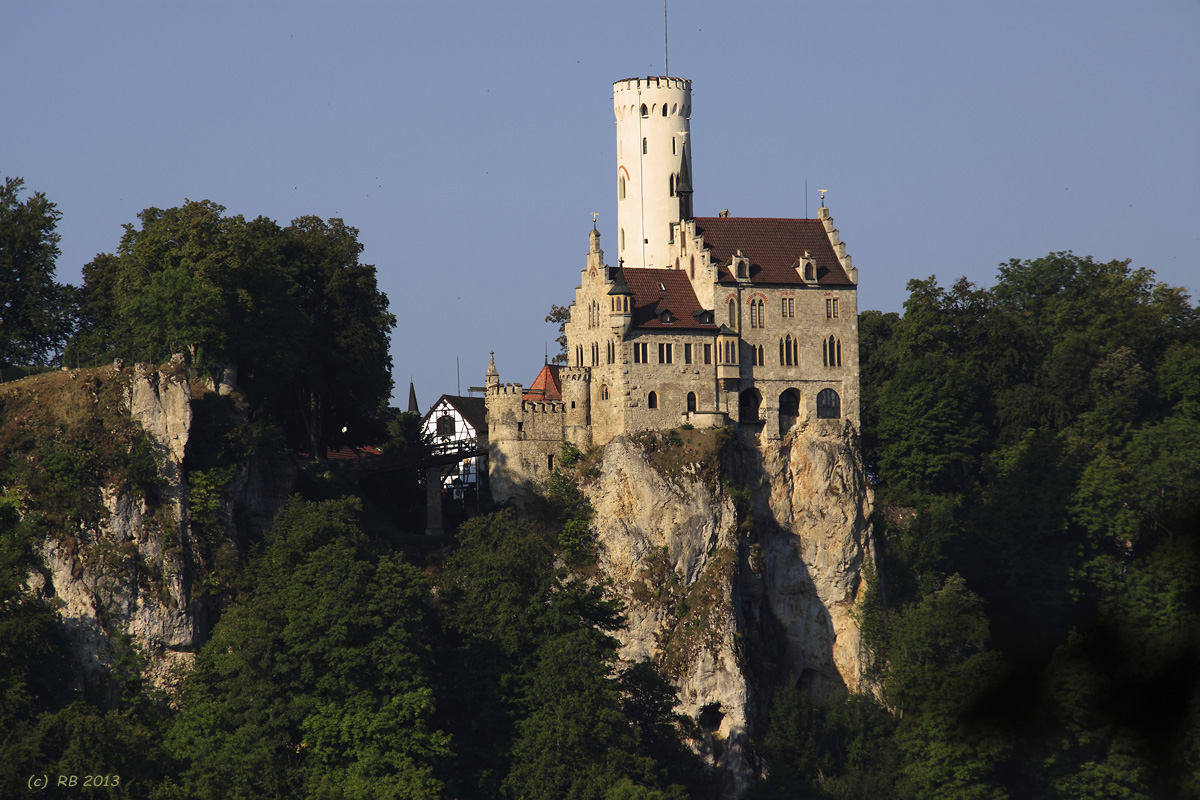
621, 187
672, 145
672, 186
604, 391
643, 145
829, 405
664, 109
645, 110
831, 308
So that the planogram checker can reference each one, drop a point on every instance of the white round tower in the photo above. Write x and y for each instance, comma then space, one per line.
654, 165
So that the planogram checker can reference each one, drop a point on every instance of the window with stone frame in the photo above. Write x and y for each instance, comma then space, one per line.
829, 405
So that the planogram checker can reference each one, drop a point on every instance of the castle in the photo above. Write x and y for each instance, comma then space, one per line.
707, 321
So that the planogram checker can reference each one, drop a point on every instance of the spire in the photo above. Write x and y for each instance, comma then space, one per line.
595, 256
684, 187
493, 377
412, 398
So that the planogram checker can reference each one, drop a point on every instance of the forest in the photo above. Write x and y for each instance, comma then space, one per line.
1032, 621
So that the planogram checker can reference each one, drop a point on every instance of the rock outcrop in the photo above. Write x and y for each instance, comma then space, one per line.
737, 577
131, 575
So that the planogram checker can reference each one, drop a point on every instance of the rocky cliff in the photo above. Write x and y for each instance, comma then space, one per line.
132, 570
740, 563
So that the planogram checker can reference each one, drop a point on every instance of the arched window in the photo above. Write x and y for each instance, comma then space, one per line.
809, 272
789, 351
620, 187
604, 391
692, 268
732, 313
743, 269
789, 403
622, 238
762, 356
652, 400
645, 110
691, 402
672, 187
825, 352
445, 425
829, 405
839, 352
757, 320
664, 109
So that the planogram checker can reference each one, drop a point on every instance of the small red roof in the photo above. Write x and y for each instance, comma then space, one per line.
546, 386
774, 247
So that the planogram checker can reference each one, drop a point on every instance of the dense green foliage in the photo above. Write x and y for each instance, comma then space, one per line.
1036, 453
292, 308
532, 684
34, 309
315, 683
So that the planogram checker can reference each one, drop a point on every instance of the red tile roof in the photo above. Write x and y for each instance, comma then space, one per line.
546, 386
658, 290
774, 246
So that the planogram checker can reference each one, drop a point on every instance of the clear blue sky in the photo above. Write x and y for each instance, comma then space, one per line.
470, 142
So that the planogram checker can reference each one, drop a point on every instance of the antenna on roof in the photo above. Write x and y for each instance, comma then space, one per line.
666, 62
458, 374
806, 198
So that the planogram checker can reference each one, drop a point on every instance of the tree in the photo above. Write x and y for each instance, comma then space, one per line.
340, 391
292, 308
34, 309
317, 681
561, 315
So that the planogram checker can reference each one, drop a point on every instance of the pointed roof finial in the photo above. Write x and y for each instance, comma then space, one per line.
492, 364
412, 398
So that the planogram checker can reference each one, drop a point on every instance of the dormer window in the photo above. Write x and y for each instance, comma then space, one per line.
666, 317
807, 268
741, 266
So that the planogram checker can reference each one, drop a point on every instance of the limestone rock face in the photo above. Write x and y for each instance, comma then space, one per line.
705, 569
132, 574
